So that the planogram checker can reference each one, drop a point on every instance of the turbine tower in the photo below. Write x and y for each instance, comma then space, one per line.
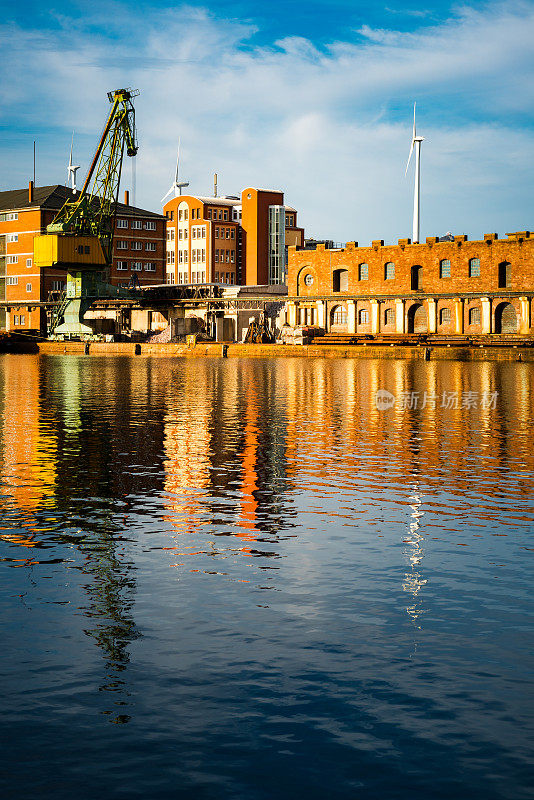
177, 185
416, 140
72, 169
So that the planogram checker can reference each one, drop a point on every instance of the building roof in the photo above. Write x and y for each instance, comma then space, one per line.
53, 197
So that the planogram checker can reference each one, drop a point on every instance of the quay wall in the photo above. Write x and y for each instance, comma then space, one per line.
420, 353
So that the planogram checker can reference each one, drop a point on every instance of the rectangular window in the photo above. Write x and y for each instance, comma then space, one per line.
150, 246
137, 266
12, 259
170, 234
389, 316
227, 256
209, 213
233, 233
232, 256
389, 271
122, 265
12, 237
186, 256
186, 213
137, 224
28, 287
11, 281
122, 245
225, 214
28, 262
445, 268
137, 245
216, 256
11, 217
150, 266
474, 268
203, 254
193, 233
363, 318
16, 319
180, 233
57, 286
122, 223
203, 231
150, 226
363, 272
216, 233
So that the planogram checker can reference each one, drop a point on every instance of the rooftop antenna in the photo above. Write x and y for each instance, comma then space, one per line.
215, 184
34, 162
416, 140
177, 185
72, 168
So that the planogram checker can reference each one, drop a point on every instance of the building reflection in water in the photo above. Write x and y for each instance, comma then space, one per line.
227, 445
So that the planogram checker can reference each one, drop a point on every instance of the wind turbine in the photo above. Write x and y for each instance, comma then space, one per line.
72, 168
178, 185
416, 140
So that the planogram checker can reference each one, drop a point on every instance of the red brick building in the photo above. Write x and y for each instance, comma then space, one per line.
454, 286
139, 248
232, 240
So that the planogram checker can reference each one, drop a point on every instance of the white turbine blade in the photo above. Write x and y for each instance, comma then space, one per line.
166, 195
409, 157
177, 162
71, 146
414, 133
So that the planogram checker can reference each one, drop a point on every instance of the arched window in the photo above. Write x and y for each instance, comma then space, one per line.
474, 316
363, 317
474, 268
389, 316
445, 268
339, 317
363, 272
445, 316
389, 271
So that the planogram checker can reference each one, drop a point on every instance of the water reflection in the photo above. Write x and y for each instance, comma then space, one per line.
220, 463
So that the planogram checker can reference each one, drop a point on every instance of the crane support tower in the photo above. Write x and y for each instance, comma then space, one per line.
80, 237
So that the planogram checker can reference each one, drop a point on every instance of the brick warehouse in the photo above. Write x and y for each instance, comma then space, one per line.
450, 287
138, 249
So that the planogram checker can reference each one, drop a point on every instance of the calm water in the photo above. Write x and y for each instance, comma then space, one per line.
241, 579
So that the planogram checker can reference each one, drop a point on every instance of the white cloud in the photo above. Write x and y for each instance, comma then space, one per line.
323, 124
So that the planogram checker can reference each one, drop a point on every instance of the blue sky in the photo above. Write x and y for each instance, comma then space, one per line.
313, 98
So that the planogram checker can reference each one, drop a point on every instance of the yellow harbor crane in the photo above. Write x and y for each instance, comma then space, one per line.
80, 237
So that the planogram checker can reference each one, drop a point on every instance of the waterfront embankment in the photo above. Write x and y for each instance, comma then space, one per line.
420, 353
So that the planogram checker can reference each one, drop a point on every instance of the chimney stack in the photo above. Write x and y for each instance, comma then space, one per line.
126, 197
30, 192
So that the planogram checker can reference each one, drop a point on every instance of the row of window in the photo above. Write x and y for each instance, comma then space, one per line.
340, 316
136, 224
217, 213
225, 256
136, 266
122, 244
224, 277
9, 217
12, 280
444, 269
225, 233
198, 232
198, 256
19, 319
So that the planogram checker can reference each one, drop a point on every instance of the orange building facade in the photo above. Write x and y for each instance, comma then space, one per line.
139, 248
230, 240
452, 287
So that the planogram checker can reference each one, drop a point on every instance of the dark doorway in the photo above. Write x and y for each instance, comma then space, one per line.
505, 318
417, 319
341, 280
417, 274
505, 275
